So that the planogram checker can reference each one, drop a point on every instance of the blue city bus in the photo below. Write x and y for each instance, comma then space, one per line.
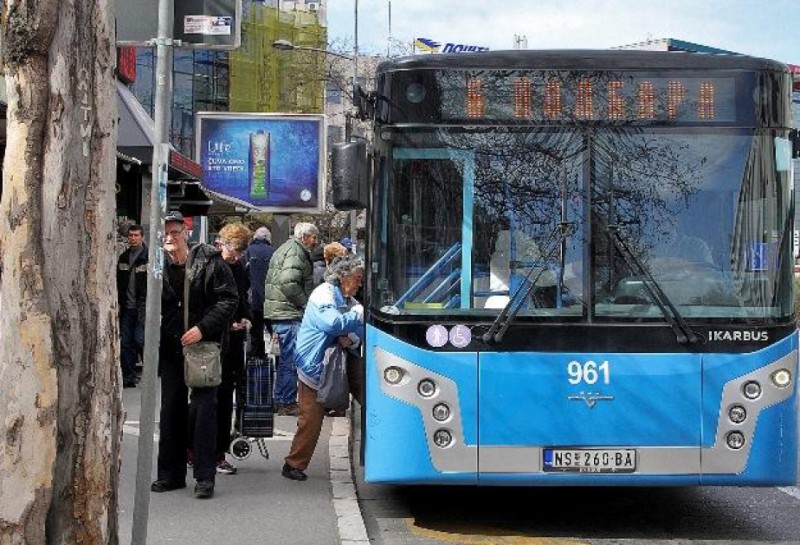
579, 269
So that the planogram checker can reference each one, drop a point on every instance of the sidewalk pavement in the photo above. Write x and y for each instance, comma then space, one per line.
257, 505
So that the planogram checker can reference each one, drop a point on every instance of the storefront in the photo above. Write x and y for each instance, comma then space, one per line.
134, 167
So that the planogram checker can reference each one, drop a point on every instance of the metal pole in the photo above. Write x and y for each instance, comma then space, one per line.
355, 43
389, 40
152, 332
354, 213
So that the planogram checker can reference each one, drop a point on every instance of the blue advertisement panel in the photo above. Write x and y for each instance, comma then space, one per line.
273, 162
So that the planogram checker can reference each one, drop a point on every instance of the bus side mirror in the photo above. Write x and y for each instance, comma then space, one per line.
795, 136
349, 175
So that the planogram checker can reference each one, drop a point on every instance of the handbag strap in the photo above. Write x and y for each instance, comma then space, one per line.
186, 282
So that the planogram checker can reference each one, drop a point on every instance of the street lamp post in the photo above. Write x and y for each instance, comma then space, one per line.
286, 45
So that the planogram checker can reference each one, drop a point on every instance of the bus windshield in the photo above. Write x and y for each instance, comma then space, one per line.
469, 217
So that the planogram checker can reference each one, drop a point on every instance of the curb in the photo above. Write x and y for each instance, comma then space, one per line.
349, 521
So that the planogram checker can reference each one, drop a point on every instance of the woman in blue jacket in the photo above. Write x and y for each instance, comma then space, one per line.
332, 316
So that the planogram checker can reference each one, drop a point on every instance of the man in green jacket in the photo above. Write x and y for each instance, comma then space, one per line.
288, 285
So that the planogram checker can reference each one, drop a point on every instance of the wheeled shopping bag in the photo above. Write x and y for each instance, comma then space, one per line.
256, 417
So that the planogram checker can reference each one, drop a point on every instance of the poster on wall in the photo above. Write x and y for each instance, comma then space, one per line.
272, 162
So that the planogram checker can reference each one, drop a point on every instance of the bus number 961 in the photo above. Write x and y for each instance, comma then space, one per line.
588, 372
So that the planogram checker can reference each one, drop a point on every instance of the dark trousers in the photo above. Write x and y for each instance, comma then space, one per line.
257, 334
232, 381
178, 423
131, 342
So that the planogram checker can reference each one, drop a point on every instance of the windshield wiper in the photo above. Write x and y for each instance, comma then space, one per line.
505, 318
684, 333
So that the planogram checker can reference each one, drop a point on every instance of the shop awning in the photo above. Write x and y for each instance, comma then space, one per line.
135, 142
225, 206
136, 134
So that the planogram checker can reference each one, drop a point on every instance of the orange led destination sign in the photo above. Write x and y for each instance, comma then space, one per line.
567, 97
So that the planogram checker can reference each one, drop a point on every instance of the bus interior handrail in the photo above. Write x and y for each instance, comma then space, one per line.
430, 275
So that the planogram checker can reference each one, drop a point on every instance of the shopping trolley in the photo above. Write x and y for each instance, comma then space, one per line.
255, 419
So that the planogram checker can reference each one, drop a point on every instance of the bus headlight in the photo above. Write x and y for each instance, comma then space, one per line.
393, 375
781, 378
735, 440
426, 387
751, 390
737, 414
441, 412
442, 438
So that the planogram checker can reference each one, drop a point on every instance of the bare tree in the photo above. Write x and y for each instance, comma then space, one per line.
59, 378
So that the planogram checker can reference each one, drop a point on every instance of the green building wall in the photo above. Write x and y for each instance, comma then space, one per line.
264, 79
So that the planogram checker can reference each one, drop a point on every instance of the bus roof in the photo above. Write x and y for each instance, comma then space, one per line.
579, 59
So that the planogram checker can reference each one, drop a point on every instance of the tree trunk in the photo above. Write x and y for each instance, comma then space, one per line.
60, 424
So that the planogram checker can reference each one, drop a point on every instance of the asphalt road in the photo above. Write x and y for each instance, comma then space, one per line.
550, 516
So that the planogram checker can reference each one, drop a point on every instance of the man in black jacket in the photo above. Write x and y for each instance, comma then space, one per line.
212, 302
132, 298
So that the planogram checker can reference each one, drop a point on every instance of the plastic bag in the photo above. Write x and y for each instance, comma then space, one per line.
334, 391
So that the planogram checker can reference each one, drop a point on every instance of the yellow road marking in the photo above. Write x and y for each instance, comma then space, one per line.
473, 535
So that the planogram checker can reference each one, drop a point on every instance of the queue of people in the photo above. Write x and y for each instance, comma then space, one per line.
218, 293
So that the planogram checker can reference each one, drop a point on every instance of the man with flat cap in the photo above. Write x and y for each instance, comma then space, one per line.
212, 301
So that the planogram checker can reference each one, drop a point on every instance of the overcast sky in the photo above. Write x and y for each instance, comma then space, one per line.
763, 28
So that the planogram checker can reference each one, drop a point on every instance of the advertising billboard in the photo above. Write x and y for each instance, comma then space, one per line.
273, 162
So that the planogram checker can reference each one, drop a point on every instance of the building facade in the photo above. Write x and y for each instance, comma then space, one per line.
254, 78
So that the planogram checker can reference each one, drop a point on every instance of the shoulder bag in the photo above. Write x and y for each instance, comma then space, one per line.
202, 364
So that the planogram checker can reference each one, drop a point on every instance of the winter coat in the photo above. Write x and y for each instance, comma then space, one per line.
289, 282
256, 261
327, 317
212, 296
242, 280
139, 269
319, 272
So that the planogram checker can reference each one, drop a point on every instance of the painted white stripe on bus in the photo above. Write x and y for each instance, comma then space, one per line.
791, 490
